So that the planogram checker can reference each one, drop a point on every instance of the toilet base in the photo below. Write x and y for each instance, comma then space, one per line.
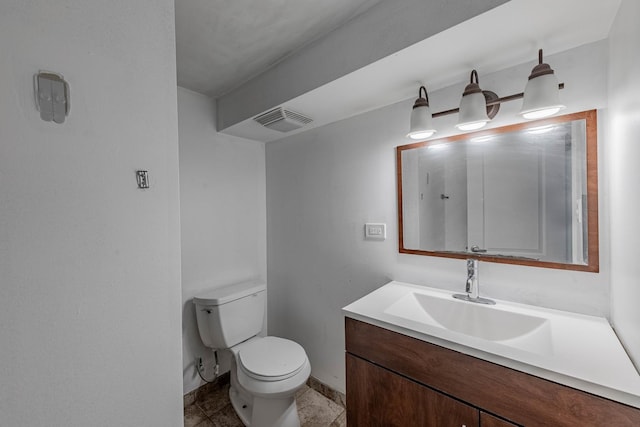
243, 405
261, 412
265, 404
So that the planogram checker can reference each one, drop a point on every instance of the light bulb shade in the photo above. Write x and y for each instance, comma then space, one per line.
473, 112
541, 95
421, 123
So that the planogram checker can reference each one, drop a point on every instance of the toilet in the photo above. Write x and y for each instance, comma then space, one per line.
267, 371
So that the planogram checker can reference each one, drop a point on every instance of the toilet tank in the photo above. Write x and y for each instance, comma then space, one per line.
231, 314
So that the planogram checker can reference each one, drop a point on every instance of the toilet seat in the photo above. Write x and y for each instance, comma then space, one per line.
271, 359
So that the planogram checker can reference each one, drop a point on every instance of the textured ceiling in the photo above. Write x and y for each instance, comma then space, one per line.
223, 43
504, 37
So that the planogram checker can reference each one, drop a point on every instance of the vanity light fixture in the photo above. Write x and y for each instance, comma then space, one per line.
541, 95
481, 139
437, 146
478, 107
540, 129
473, 106
421, 123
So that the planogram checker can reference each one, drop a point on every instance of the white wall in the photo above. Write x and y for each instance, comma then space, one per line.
89, 264
324, 184
624, 180
223, 216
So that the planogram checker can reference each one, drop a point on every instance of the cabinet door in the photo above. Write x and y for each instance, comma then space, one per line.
487, 420
377, 397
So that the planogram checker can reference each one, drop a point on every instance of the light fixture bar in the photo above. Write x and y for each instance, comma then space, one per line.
489, 103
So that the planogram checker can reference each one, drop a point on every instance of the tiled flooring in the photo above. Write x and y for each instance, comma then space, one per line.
215, 410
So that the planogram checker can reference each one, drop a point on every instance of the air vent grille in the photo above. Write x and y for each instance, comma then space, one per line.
282, 120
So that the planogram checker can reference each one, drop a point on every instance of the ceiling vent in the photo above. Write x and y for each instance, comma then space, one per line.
282, 120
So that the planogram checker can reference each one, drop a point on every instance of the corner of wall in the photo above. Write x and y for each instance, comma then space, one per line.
623, 152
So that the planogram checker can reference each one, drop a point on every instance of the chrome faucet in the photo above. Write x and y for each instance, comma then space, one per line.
472, 287
472, 279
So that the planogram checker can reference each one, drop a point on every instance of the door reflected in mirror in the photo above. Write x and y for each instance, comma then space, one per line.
520, 194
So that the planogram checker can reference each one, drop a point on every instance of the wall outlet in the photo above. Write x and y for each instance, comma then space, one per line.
375, 231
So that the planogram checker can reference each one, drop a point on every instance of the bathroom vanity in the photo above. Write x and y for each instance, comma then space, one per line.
409, 365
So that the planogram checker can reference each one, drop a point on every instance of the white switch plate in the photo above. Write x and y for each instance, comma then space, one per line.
375, 231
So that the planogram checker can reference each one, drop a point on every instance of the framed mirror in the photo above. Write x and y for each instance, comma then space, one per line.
521, 194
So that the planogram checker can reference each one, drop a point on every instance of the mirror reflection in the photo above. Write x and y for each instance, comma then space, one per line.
523, 194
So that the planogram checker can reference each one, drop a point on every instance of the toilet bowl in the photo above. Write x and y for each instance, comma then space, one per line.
265, 372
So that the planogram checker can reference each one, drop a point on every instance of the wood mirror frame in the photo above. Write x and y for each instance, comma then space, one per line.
591, 183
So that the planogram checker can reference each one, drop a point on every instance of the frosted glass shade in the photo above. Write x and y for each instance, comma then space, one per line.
541, 97
421, 123
473, 112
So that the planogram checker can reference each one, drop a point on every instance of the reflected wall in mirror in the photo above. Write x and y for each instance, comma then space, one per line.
521, 194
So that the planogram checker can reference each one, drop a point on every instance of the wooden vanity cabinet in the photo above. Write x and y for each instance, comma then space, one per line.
396, 380
488, 420
378, 397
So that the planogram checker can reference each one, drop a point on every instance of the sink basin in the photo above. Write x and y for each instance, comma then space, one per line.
523, 331
572, 349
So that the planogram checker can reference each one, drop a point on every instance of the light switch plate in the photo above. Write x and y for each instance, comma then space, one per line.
375, 231
143, 179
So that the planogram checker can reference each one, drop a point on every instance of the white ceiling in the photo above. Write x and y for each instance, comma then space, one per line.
223, 43
508, 35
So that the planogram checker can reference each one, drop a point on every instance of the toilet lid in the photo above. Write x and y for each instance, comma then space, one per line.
272, 358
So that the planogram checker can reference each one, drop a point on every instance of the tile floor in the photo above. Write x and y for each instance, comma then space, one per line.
215, 410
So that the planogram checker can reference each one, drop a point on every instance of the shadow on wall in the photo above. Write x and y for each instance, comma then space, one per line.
193, 348
191, 339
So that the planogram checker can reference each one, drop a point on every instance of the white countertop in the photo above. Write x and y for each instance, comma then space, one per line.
572, 349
